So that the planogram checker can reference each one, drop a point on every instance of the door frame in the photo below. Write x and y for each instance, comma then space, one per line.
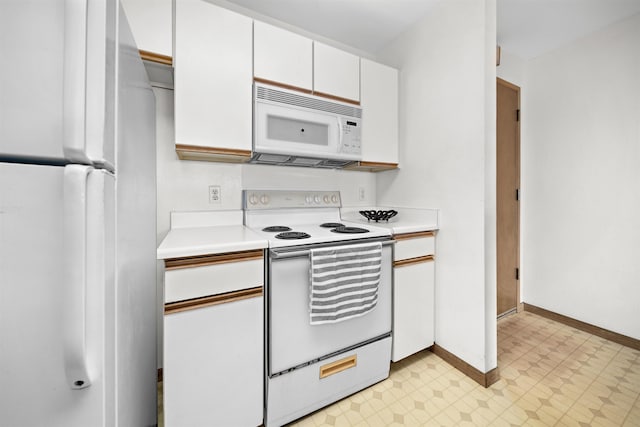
519, 305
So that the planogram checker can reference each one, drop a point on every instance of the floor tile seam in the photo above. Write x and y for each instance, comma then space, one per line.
552, 335
636, 403
563, 412
578, 400
377, 412
548, 373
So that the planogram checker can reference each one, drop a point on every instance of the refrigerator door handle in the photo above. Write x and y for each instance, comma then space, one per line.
75, 269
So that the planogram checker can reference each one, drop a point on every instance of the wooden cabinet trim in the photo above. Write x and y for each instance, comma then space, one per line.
282, 85
204, 260
416, 235
371, 166
195, 303
336, 98
158, 58
217, 154
412, 261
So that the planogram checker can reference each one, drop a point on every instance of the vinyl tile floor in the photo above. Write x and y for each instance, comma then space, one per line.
550, 375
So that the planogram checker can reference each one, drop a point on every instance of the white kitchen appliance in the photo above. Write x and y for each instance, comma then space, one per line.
294, 128
77, 218
311, 365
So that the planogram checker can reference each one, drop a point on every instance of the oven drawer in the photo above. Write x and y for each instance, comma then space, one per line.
195, 277
413, 245
302, 391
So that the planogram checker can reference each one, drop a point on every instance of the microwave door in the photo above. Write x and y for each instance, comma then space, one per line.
292, 131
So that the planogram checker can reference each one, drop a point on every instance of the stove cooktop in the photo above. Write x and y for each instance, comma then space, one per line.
290, 218
305, 234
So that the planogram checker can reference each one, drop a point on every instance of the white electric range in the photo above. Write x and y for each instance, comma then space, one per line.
311, 365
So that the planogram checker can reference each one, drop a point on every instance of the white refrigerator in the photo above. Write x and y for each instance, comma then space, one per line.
77, 218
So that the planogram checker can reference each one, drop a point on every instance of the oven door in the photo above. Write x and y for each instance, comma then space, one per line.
292, 340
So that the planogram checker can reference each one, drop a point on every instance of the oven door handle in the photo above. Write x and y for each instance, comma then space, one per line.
284, 254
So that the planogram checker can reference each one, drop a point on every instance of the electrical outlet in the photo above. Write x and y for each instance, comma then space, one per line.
215, 195
361, 193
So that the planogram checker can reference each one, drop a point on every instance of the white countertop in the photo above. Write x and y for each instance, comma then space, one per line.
208, 233
408, 220
185, 242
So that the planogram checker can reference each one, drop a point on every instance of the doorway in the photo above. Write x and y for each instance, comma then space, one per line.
508, 196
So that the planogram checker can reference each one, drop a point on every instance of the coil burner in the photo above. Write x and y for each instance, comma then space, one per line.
292, 235
331, 225
350, 230
277, 228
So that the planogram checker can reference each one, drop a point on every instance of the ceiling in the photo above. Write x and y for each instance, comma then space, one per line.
529, 28
526, 28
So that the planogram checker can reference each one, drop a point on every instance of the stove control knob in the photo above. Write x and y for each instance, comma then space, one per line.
264, 199
253, 199
326, 199
317, 199
334, 198
308, 199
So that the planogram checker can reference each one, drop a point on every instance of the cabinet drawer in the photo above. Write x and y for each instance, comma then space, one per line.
203, 276
414, 245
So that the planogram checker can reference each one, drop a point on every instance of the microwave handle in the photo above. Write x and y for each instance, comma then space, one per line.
340, 134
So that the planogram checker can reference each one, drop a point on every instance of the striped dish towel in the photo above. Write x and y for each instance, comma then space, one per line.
344, 282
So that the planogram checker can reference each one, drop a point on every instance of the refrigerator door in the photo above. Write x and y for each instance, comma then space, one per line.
135, 239
57, 97
55, 307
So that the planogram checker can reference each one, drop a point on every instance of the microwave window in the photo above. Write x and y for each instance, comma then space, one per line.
298, 131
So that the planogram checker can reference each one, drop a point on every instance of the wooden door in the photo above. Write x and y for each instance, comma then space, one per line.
507, 195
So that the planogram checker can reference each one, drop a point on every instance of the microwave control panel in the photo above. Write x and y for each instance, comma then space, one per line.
351, 132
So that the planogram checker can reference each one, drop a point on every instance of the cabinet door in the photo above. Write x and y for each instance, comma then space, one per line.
282, 56
213, 365
336, 72
213, 98
413, 309
380, 112
151, 25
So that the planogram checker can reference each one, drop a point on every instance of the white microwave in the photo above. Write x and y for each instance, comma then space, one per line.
305, 130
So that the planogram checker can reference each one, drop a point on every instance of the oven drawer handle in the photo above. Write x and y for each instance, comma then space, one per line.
276, 254
338, 366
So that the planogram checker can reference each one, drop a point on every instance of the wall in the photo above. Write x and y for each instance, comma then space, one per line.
581, 179
447, 138
511, 68
184, 185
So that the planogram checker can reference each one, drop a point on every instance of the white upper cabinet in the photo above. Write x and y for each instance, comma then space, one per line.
150, 22
379, 112
213, 96
336, 72
282, 56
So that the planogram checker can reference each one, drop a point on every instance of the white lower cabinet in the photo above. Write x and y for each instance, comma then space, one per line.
212, 372
413, 294
214, 343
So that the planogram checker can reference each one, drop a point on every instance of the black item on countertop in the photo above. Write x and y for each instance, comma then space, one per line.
379, 215
350, 230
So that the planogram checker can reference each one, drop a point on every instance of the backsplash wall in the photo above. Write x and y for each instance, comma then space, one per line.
183, 185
